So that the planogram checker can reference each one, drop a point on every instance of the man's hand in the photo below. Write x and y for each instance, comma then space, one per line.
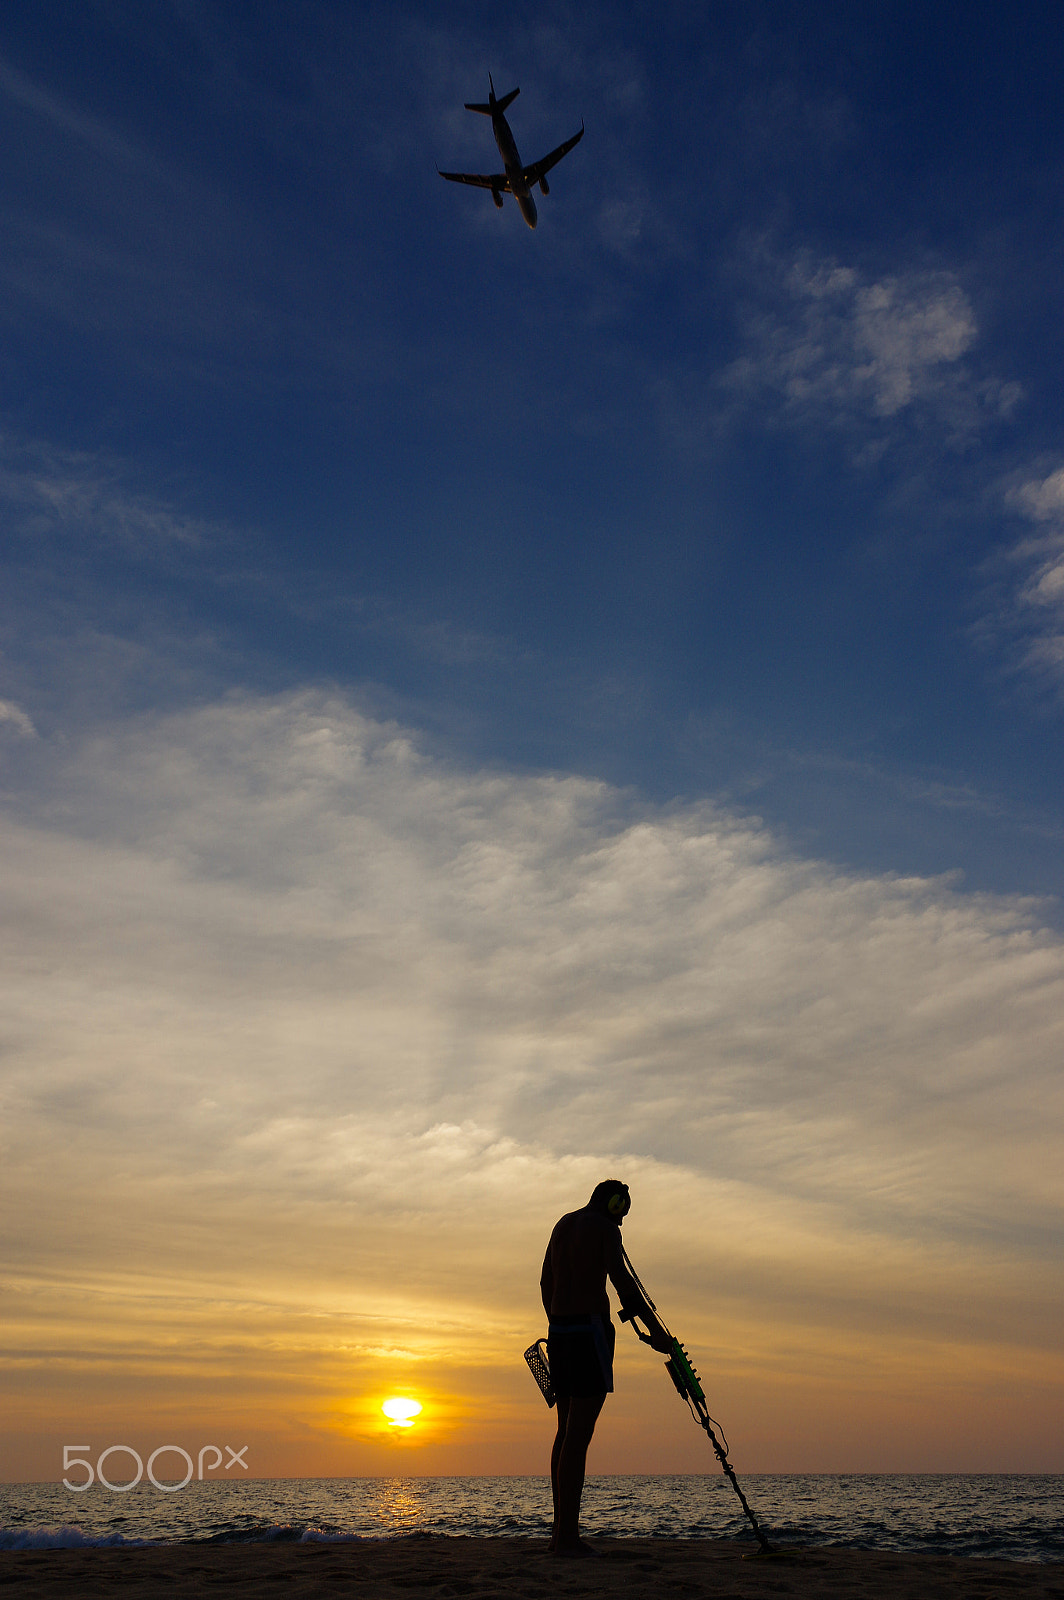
657, 1335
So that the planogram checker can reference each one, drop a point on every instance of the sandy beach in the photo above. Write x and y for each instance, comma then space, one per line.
657, 1569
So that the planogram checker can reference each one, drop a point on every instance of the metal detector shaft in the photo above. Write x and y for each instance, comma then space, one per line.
685, 1378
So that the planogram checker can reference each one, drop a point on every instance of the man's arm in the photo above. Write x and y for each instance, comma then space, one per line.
546, 1282
633, 1300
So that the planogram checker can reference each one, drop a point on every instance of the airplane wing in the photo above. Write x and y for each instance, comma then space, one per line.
535, 172
480, 180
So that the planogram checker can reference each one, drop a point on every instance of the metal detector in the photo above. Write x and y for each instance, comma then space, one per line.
685, 1378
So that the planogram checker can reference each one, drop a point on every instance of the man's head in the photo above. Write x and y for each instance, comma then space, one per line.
612, 1197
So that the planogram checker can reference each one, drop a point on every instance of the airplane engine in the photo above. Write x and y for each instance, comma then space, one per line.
543, 189
497, 197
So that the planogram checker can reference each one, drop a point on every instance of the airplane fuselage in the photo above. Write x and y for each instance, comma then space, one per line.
515, 178
515, 172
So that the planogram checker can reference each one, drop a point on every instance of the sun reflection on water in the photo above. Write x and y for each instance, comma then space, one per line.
399, 1504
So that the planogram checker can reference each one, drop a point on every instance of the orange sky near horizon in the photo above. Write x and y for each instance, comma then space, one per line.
293, 1365
313, 1041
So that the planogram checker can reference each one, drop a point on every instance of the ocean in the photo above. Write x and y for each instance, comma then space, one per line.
1019, 1518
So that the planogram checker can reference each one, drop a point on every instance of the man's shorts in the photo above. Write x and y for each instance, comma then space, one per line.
580, 1355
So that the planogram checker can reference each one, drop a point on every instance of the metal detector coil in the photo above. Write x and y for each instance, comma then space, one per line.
536, 1356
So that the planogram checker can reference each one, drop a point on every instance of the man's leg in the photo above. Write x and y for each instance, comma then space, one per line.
568, 1462
555, 1455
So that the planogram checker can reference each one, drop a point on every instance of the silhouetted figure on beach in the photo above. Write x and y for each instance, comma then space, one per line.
585, 1249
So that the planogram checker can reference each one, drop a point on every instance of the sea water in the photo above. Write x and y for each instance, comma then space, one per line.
1019, 1518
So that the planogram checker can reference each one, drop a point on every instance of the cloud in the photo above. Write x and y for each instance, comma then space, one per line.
1027, 607
126, 244
831, 345
86, 629
45, 489
537, 956
1043, 500
102, 139
903, 335
15, 718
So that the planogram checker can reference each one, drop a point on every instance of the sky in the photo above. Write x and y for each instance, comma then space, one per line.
483, 711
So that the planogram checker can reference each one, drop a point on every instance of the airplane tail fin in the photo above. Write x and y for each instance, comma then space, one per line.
493, 106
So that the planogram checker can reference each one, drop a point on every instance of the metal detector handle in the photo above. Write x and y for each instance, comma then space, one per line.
633, 1317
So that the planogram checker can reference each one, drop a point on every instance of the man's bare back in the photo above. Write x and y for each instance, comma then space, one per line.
584, 1247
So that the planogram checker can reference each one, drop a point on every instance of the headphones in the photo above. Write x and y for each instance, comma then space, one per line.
620, 1202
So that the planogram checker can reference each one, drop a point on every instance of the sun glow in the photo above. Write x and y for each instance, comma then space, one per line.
401, 1413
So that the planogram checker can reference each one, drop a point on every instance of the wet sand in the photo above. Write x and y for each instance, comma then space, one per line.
653, 1569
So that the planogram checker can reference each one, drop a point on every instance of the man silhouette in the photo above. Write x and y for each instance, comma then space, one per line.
585, 1249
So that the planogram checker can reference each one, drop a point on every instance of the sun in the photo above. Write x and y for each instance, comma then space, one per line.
401, 1413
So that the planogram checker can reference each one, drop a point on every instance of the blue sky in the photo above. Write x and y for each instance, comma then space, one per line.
657, 493
719, 520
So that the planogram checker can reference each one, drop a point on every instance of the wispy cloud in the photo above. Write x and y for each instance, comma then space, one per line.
94, 556
832, 345
12, 716
1043, 499
264, 899
103, 139
46, 489
117, 238
1026, 609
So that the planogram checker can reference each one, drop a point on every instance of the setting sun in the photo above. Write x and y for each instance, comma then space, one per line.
401, 1413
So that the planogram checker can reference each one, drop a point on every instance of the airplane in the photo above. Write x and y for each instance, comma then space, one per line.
516, 180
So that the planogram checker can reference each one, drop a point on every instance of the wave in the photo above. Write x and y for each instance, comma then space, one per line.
71, 1537
67, 1538
283, 1533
